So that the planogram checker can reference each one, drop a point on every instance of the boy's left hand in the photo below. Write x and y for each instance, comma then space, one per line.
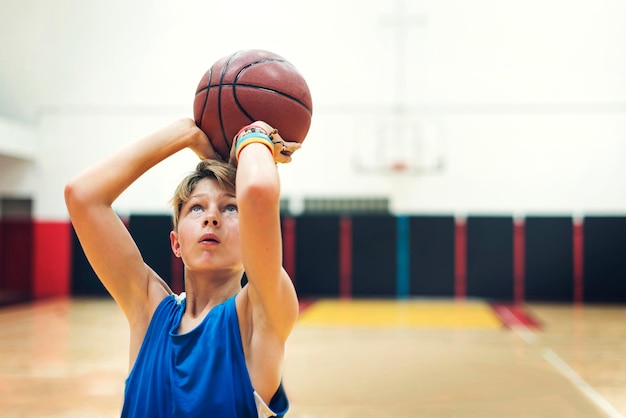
283, 150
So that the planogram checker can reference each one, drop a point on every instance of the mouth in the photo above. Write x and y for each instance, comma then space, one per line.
209, 239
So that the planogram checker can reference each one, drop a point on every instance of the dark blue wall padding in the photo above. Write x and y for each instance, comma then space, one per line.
432, 256
374, 255
317, 255
490, 257
549, 259
381, 249
84, 279
604, 259
152, 235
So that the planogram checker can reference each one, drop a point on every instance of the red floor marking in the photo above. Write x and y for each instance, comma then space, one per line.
305, 304
512, 315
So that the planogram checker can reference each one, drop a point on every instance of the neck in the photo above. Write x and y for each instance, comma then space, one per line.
204, 293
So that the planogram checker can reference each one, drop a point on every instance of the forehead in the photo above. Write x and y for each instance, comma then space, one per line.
208, 187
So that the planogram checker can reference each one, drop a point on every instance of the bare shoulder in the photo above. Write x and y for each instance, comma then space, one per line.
269, 309
244, 314
143, 301
264, 340
143, 312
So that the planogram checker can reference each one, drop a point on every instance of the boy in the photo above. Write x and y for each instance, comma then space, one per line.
217, 350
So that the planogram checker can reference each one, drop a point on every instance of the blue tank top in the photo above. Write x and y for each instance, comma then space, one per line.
201, 373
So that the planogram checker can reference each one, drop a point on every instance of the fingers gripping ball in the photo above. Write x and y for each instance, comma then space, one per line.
247, 86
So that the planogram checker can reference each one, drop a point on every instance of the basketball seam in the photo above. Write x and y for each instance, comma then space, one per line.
250, 64
219, 99
206, 98
254, 86
279, 92
241, 70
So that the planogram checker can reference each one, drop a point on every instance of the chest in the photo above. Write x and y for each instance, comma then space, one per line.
187, 324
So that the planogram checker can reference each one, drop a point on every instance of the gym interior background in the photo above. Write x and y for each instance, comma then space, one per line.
479, 153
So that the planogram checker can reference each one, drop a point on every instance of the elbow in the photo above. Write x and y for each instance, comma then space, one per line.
259, 193
75, 196
71, 196
257, 185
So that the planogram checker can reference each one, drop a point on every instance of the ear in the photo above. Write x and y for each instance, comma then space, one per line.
175, 244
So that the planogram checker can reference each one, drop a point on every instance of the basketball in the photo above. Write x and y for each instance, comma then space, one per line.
247, 86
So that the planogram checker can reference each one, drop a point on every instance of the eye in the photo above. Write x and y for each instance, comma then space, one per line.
195, 209
231, 208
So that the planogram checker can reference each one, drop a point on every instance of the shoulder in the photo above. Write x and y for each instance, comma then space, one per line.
143, 301
266, 312
165, 309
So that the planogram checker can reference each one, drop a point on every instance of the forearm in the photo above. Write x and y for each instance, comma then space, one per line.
103, 182
258, 200
257, 175
271, 292
255, 153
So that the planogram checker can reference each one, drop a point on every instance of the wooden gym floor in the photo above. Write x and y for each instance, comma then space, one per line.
362, 358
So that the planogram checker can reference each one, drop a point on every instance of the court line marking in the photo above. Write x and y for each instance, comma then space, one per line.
517, 326
571, 375
561, 366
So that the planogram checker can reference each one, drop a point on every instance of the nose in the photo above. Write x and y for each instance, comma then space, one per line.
211, 218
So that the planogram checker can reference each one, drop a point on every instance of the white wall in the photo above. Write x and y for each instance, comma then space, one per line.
17, 155
16, 139
527, 99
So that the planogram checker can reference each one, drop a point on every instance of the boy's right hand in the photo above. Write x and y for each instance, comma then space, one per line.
201, 145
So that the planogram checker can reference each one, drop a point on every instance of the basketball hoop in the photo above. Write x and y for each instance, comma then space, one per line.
413, 146
398, 166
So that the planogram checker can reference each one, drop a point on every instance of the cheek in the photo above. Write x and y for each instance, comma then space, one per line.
233, 229
183, 231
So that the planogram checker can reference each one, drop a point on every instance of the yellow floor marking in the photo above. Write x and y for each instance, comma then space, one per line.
401, 313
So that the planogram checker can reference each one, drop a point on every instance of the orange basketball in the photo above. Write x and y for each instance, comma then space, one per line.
247, 86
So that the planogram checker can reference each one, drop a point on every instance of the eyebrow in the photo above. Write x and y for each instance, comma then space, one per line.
226, 194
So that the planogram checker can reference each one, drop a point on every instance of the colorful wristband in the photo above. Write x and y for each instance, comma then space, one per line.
251, 138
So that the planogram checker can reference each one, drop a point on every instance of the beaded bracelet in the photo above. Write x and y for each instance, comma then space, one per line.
249, 129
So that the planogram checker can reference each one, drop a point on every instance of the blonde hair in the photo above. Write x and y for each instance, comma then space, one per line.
216, 170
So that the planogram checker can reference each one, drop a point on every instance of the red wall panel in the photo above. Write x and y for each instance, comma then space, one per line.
51, 258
